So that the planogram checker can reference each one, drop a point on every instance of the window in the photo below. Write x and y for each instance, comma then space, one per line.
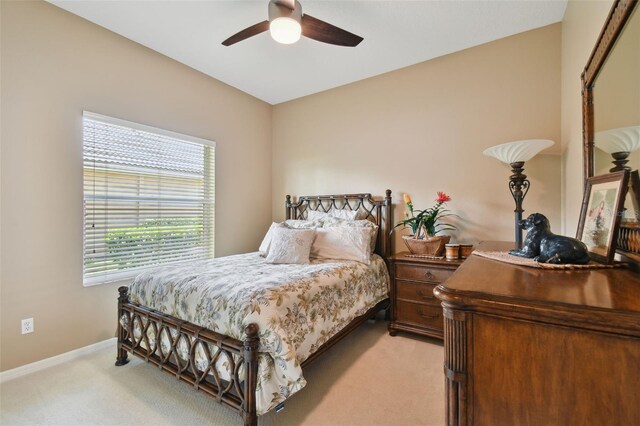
148, 198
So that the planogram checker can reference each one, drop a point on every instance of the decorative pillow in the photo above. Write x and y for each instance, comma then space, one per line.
365, 223
266, 241
340, 214
291, 223
290, 245
302, 224
343, 242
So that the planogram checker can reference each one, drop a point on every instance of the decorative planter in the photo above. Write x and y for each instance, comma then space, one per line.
431, 246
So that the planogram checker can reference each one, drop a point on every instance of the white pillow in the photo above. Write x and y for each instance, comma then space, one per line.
365, 223
343, 242
291, 223
266, 241
340, 214
302, 224
290, 245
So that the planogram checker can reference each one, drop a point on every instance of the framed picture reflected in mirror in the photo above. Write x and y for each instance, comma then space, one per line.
601, 214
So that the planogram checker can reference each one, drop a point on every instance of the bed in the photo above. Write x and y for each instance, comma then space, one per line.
245, 338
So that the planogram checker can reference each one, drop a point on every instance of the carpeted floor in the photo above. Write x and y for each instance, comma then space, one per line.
370, 378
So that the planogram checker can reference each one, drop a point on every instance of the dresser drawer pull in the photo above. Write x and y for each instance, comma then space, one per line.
424, 296
428, 275
422, 314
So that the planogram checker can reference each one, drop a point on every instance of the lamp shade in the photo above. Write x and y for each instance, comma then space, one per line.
623, 139
513, 152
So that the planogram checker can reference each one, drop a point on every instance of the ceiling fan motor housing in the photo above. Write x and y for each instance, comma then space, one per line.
280, 11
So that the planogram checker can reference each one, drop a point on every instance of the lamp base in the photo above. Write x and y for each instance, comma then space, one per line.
619, 160
518, 186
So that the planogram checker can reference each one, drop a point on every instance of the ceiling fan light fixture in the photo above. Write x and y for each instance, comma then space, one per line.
285, 30
286, 24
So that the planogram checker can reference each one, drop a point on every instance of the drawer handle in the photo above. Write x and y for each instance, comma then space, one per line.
428, 275
424, 296
422, 314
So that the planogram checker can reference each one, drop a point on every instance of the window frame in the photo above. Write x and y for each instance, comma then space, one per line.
129, 274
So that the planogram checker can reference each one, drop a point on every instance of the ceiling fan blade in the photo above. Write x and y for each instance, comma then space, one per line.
327, 33
256, 29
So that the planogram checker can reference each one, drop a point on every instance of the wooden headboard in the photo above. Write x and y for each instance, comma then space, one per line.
378, 211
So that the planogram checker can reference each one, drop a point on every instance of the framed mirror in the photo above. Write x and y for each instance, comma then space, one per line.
611, 113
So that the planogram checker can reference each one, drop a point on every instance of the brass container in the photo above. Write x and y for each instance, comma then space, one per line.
452, 251
466, 250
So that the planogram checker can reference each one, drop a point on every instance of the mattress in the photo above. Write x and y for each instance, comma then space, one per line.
296, 307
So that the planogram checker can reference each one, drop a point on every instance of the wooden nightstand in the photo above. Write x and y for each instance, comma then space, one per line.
414, 307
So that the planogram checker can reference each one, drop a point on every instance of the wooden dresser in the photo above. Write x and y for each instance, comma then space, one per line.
414, 307
526, 346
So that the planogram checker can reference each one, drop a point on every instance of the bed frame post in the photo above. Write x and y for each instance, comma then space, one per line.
121, 358
386, 249
287, 206
251, 345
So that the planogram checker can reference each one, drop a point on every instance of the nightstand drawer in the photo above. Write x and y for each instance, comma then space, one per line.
422, 273
417, 292
414, 308
423, 315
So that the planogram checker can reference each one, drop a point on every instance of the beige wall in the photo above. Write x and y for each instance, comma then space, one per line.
582, 23
54, 66
423, 128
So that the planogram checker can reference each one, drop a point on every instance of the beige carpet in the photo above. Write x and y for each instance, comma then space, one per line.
370, 378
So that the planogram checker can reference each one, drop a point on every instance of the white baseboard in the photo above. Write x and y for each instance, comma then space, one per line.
55, 360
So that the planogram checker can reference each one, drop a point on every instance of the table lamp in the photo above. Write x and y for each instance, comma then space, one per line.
515, 154
619, 143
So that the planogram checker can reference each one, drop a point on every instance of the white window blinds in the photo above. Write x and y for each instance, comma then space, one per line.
148, 198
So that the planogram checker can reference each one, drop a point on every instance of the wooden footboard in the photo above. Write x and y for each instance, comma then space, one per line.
239, 394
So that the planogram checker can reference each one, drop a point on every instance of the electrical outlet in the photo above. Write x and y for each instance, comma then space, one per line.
27, 325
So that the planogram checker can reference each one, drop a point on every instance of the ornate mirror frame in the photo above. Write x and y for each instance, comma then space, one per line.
618, 17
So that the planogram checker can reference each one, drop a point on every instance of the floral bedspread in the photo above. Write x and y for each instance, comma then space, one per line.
296, 307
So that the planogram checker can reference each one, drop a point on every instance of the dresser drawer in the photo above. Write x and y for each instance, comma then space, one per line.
417, 292
422, 273
422, 315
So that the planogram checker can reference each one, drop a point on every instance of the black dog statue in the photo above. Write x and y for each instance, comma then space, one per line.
546, 247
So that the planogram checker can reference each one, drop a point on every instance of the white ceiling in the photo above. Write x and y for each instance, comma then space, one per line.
396, 34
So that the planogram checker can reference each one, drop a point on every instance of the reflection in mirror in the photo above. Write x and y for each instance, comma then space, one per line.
617, 108
620, 143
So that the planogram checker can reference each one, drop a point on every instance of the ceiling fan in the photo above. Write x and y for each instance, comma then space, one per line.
287, 23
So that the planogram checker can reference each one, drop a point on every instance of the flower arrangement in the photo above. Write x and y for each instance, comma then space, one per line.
427, 220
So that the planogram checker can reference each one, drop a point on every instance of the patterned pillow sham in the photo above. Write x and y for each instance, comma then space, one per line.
364, 223
342, 242
290, 245
302, 224
297, 224
334, 213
